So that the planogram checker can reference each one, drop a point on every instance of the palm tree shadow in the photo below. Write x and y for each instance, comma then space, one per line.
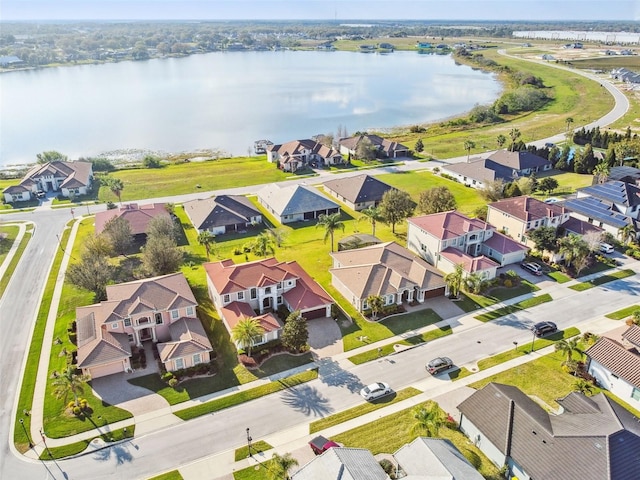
119, 452
333, 375
307, 400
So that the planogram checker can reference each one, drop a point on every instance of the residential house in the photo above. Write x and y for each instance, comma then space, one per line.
385, 148
160, 309
68, 178
593, 438
625, 75
296, 154
624, 173
138, 216
517, 216
501, 165
357, 240
344, 464
295, 203
359, 192
256, 289
616, 365
222, 214
448, 239
387, 270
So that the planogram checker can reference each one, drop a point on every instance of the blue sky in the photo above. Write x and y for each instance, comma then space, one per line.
321, 9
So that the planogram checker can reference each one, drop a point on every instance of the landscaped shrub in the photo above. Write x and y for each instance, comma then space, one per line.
508, 283
167, 376
173, 382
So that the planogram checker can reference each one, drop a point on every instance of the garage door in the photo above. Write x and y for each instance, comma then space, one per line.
438, 292
318, 313
104, 370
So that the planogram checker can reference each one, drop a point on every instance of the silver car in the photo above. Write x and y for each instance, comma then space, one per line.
375, 390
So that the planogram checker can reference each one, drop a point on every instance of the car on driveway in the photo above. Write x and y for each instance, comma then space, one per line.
544, 328
606, 248
532, 267
321, 444
438, 365
375, 390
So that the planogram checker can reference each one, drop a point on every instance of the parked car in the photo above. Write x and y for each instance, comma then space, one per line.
544, 328
375, 390
532, 267
40, 194
438, 365
321, 444
606, 248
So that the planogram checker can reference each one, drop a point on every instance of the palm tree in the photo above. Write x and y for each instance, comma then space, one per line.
514, 134
601, 172
263, 245
569, 121
501, 140
280, 466
582, 386
115, 185
468, 146
428, 419
206, 239
375, 303
246, 332
454, 280
373, 215
568, 348
474, 283
331, 223
627, 233
574, 249
67, 383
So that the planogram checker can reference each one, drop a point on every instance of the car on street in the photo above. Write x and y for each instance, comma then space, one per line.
375, 390
438, 365
532, 267
606, 248
544, 328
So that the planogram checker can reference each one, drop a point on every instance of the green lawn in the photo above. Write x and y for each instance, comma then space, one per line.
559, 277
259, 446
173, 475
602, 280
4, 249
11, 232
624, 313
79, 447
508, 309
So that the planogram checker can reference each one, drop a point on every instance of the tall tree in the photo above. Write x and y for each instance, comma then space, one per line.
280, 466
160, 255
454, 280
468, 146
162, 227
115, 185
330, 223
206, 239
373, 215
375, 303
568, 348
51, 156
263, 245
247, 332
366, 150
93, 273
279, 235
627, 234
396, 206
97, 246
492, 190
419, 146
436, 200
569, 121
601, 172
544, 238
548, 184
69, 383
429, 418
118, 231
575, 250
295, 334
514, 134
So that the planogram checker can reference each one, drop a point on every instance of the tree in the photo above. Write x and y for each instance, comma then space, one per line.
162, 227
246, 333
330, 223
51, 156
69, 383
468, 146
568, 348
436, 200
160, 255
512, 190
375, 303
118, 231
601, 172
280, 466
492, 190
93, 273
97, 246
501, 140
206, 239
419, 146
295, 334
151, 161
366, 150
428, 419
474, 283
544, 238
583, 386
627, 234
575, 250
454, 280
115, 185
262, 245
548, 184
373, 215
279, 235
396, 206
514, 134
569, 121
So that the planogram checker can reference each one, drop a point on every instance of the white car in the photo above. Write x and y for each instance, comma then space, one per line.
606, 248
375, 390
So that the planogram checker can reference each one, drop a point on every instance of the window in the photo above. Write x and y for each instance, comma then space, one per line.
131, 339
267, 290
190, 311
197, 358
279, 285
174, 314
635, 394
179, 363
127, 322
254, 293
158, 317
225, 298
279, 300
240, 295
114, 326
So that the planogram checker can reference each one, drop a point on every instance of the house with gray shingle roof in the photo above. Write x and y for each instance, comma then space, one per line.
357, 192
593, 438
387, 270
223, 214
136, 312
616, 365
385, 148
344, 464
295, 203
295, 154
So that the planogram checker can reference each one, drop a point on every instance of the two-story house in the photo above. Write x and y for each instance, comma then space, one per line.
384, 148
297, 153
448, 239
68, 178
160, 309
256, 289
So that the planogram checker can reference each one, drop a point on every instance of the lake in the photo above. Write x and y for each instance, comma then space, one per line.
227, 100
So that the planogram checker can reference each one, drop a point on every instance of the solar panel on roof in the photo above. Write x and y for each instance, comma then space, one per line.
594, 208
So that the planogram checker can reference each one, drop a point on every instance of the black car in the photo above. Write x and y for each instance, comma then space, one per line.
438, 365
544, 328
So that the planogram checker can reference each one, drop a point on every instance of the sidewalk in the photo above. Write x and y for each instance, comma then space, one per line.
22, 228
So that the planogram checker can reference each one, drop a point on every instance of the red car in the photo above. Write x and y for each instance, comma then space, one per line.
321, 444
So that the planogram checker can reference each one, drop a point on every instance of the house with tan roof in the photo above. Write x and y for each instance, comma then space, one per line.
295, 154
592, 438
68, 178
359, 192
138, 216
616, 365
385, 148
223, 214
448, 239
160, 309
387, 270
259, 288
295, 203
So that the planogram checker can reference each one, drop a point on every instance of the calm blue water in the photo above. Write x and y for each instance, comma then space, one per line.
227, 100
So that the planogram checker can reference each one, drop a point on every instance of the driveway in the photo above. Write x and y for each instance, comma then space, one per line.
325, 337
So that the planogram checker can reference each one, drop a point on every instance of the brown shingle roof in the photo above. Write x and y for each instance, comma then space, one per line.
632, 335
528, 208
187, 338
358, 189
470, 264
236, 311
138, 216
97, 346
616, 358
446, 225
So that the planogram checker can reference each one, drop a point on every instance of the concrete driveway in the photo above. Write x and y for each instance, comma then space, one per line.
325, 337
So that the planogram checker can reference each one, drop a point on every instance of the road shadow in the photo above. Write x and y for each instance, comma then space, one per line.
332, 374
307, 400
